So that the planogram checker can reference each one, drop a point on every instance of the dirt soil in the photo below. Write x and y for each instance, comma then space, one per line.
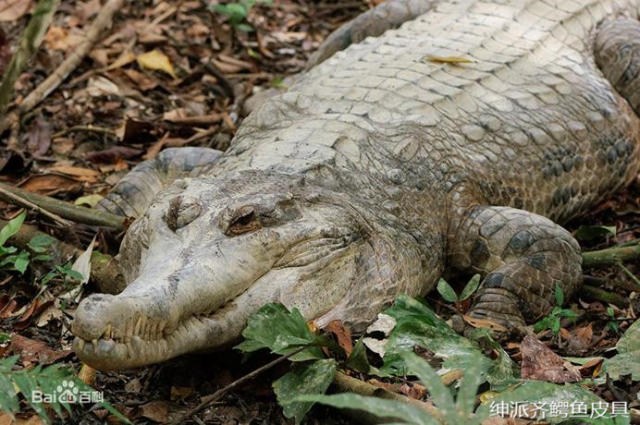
120, 107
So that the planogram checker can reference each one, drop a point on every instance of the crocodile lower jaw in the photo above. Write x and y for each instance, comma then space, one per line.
192, 334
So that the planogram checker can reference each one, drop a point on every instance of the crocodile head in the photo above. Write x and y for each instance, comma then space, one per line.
209, 252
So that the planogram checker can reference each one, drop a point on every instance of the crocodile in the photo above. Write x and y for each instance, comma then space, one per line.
426, 137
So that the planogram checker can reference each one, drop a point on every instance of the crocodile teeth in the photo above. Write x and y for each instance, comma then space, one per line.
107, 332
136, 329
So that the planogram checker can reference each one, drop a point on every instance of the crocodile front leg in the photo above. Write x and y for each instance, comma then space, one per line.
617, 53
521, 255
134, 193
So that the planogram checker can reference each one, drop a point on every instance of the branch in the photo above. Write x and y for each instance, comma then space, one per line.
610, 256
64, 209
12, 197
206, 401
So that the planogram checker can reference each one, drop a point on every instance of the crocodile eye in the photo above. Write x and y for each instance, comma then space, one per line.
242, 220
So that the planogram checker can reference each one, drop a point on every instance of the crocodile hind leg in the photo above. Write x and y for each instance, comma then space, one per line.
374, 22
522, 257
134, 193
617, 53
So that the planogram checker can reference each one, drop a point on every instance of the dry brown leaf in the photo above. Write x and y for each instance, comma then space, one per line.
33, 310
78, 173
342, 335
539, 362
483, 323
87, 374
143, 82
7, 307
157, 411
50, 184
155, 60
35, 352
58, 38
125, 58
11, 10
179, 393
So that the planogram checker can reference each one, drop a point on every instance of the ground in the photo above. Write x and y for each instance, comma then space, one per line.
177, 73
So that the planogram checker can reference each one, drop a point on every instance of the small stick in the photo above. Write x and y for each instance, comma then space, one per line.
89, 128
63, 209
206, 401
26, 203
630, 275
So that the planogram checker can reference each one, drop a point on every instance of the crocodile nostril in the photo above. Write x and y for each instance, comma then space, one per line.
181, 213
92, 315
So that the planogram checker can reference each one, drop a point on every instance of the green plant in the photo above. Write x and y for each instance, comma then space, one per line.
449, 294
13, 259
53, 385
612, 324
453, 411
552, 321
237, 12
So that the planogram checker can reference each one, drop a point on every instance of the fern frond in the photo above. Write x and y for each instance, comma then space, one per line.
42, 381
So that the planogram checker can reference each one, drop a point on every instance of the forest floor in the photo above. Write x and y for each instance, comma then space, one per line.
120, 107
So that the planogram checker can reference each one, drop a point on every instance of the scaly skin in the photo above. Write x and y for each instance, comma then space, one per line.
380, 169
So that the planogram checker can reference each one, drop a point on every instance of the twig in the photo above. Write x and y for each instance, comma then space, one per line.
64, 209
102, 21
347, 383
29, 43
630, 275
104, 272
610, 256
19, 200
206, 401
89, 128
605, 296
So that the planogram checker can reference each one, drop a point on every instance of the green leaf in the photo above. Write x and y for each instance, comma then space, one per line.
67, 271
4, 338
446, 291
418, 325
358, 360
244, 27
89, 200
592, 233
470, 287
404, 412
40, 243
281, 331
440, 394
12, 227
308, 378
543, 393
21, 261
627, 361
557, 291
